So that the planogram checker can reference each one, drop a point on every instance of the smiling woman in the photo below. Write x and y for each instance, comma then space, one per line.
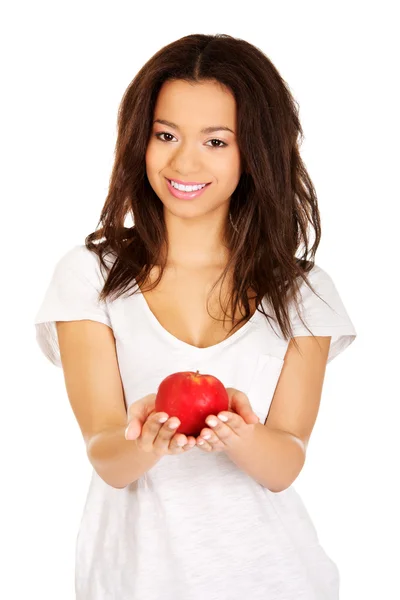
217, 288
186, 155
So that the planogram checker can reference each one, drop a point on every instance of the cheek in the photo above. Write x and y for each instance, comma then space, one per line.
154, 164
228, 181
155, 152
229, 170
150, 157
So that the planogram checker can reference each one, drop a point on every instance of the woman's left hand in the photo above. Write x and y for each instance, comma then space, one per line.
225, 434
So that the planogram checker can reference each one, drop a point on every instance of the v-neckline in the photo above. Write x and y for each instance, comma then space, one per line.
177, 342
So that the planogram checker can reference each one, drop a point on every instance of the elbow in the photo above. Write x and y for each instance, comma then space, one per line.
277, 490
289, 476
110, 482
105, 476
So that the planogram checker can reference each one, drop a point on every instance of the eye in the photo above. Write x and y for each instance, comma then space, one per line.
220, 142
158, 135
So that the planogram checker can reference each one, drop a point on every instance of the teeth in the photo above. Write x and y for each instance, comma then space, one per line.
187, 188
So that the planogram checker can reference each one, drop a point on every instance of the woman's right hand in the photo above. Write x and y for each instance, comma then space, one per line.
152, 436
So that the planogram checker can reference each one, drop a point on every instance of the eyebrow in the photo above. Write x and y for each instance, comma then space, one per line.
205, 130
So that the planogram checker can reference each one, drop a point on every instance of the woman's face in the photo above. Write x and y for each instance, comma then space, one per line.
183, 152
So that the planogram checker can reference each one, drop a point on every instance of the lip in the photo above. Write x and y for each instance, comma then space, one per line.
185, 195
186, 182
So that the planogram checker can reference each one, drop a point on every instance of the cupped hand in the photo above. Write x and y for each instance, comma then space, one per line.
155, 432
229, 427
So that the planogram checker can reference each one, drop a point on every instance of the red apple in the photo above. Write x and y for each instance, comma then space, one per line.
191, 397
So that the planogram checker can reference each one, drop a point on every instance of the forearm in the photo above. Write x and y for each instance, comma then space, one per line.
273, 458
118, 461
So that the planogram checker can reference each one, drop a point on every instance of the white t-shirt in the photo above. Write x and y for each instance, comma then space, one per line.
194, 527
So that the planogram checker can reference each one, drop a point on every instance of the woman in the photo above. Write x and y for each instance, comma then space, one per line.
217, 287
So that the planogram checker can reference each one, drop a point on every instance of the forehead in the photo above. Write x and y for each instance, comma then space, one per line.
193, 106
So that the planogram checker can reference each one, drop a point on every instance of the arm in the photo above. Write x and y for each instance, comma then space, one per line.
276, 452
272, 457
118, 461
95, 392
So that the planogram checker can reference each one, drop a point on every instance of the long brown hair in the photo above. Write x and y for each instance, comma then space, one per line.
272, 205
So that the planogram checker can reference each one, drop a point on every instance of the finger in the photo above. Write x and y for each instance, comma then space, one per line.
232, 420
150, 431
239, 403
134, 428
204, 445
211, 445
211, 441
250, 418
203, 441
191, 442
138, 412
163, 437
179, 442
220, 429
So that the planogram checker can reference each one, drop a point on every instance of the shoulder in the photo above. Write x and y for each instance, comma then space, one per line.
318, 283
77, 257
83, 262
316, 275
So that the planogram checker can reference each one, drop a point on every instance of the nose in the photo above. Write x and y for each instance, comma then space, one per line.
185, 160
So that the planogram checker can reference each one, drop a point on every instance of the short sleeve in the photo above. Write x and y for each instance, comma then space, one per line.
72, 295
323, 319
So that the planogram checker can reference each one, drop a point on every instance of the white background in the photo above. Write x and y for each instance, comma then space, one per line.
65, 66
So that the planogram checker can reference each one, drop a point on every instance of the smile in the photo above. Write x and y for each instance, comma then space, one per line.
186, 187
186, 192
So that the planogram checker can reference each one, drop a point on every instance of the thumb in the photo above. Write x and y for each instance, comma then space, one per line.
240, 403
138, 412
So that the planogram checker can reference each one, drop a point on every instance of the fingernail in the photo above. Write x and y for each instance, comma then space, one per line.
223, 418
128, 436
